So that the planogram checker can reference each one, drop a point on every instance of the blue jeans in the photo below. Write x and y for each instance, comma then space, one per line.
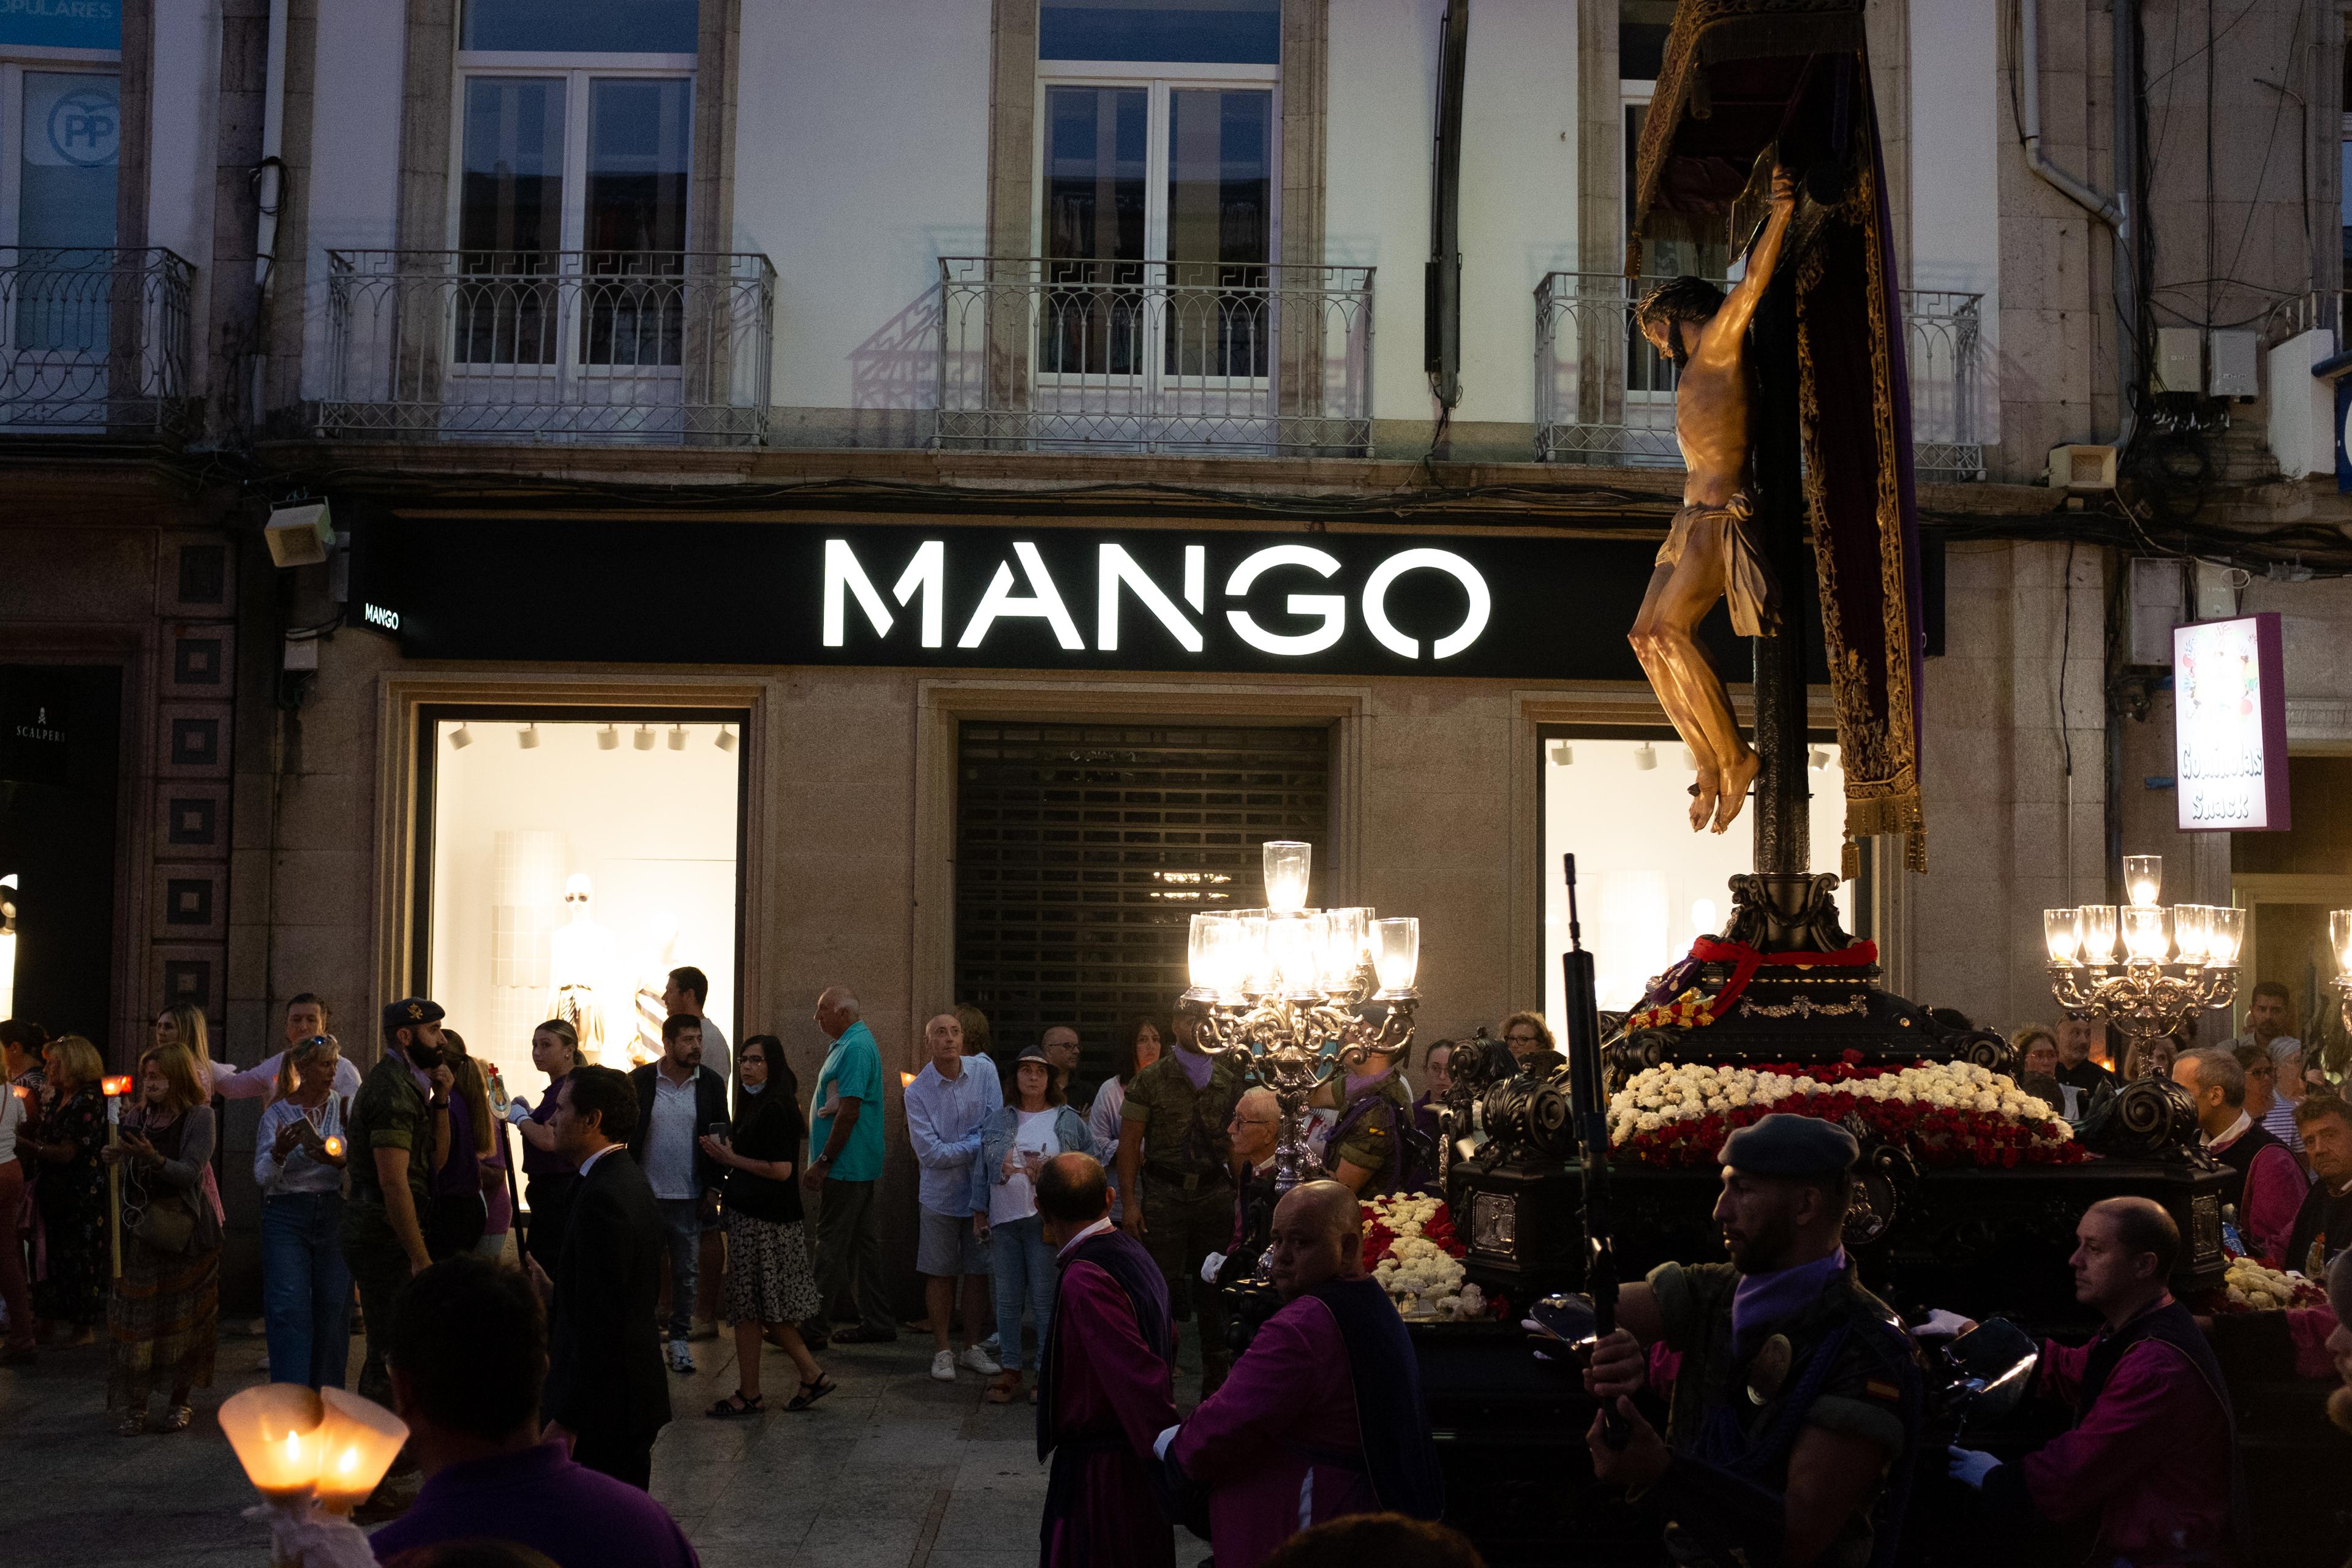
681, 1223
306, 1289
1022, 1267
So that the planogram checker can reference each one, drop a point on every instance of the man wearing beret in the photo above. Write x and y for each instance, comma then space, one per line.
1798, 1391
399, 1134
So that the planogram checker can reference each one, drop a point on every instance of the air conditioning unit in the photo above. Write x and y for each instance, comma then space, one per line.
2082, 468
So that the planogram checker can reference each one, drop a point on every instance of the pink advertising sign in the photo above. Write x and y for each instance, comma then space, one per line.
2230, 725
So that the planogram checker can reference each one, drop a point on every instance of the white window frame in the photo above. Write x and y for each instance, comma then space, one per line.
14, 63
574, 70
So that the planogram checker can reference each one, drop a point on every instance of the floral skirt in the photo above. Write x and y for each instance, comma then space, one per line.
73, 1214
769, 1280
164, 1318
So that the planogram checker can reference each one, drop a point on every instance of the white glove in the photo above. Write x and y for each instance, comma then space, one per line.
1950, 1325
314, 1539
1971, 1466
517, 1111
1210, 1267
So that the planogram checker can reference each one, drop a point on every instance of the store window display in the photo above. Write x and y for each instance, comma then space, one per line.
571, 874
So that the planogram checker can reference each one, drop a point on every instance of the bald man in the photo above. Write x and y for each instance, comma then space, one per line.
1255, 1128
2152, 1454
1322, 1415
845, 1129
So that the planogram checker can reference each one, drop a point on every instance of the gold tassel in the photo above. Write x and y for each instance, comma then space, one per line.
1850, 859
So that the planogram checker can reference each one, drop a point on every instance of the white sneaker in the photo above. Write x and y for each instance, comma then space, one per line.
991, 1345
943, 1366
981, 1361
681, 1360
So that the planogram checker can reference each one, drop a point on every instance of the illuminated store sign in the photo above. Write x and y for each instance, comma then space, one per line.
1037, 596
2230, 725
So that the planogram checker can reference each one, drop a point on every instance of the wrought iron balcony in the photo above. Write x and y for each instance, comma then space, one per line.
1155, 356
1603, 395
94, 342
664, 348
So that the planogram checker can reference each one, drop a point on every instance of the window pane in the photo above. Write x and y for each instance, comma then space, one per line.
1220, 176
512, 201
1094, 145
637, 155
602, 26
64, 208
1216, 32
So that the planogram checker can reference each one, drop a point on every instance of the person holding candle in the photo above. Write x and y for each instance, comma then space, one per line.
549, 1175
71, 1187
165, 1312
770, 1285
298, 1160
1033, 1125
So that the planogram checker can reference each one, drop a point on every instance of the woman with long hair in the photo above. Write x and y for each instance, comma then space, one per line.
72, 1187
165, 1311
1140, 1050
555, 1051
771, 1286
458, 1210
298, 1160
183, 1024
1033, 1127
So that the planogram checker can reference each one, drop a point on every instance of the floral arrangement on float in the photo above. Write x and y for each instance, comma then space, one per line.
2252, 1286
1941, 1113
1410, 1247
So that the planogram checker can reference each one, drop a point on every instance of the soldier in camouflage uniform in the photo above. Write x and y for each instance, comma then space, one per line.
1790, 1432
1175, 1181
1365, 1151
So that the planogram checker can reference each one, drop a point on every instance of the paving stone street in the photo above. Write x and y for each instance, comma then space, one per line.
894, 1471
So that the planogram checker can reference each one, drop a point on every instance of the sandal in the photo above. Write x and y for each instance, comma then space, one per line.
810, 1393
1002, 1389
133, 1425
736, 1405
176, 1419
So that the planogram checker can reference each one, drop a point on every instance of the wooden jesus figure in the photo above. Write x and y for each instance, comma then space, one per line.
1710, 552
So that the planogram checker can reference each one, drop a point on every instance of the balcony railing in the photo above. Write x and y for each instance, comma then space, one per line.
1155, 356
1604, 396
657, 347
94, 342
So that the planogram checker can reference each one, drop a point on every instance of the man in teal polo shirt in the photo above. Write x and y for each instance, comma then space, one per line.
845, 1130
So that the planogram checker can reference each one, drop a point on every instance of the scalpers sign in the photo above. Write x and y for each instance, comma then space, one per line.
2230, 725
1121, 590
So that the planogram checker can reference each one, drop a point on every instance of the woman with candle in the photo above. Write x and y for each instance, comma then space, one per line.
1142, 1048
165, 1316
298, 1159
1033, 1127
555, 1051
770, 1285
71, 1188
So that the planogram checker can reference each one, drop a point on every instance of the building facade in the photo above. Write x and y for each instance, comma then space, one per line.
908, 496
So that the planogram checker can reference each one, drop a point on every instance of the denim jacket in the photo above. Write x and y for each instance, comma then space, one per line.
996, 1135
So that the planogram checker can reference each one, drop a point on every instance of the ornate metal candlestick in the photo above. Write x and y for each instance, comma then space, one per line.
2148, 993
1290, 994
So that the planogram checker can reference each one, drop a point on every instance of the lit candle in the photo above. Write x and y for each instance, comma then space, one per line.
1287, 863
275, 1431
1396, 954
115, 1087
2142, 876
2339, 937
334, 1147
2227, 934
2062, 933
360, 1440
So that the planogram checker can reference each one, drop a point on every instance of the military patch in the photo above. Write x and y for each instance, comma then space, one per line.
1879, 1389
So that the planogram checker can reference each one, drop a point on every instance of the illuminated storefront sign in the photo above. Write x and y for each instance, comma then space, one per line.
1041, 596
2230, 725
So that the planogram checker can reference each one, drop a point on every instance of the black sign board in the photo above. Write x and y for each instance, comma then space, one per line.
36, 725
1046, 597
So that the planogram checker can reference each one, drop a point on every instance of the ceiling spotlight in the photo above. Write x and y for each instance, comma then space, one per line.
1645, 756
1817, 759
1690, 759
607, 739
1563, 755
677, 737
643, 739
528, 737
725, 739
460, 737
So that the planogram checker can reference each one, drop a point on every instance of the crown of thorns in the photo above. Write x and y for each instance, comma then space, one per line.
1684, 299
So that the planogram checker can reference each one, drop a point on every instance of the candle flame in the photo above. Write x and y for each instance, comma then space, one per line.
334, 1146
348, 1462
293, 1448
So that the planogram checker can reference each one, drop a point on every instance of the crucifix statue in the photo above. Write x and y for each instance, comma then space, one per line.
1711, 553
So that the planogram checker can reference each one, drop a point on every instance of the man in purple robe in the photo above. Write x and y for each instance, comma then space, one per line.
1104, 1384
1323, 1415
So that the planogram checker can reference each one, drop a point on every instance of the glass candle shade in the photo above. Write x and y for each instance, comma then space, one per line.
1396, 953
2143, 878
1294, 958
1287, 863
1347, 935
276, 1431
2061, 934
115, 1086
2143, 940
2227, 934
2192, 929
1245, 974
2339, 939
1208, 950
361, 1439
2098, 929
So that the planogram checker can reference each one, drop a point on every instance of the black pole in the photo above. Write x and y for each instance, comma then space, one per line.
1783, 828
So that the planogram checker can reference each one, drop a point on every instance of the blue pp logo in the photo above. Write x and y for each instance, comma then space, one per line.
86, 127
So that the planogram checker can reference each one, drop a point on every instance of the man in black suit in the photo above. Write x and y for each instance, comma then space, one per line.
606, 1393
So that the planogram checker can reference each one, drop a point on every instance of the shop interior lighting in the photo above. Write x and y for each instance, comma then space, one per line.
677, 737
725, 739
528, 737
1645, 756
461, 737
1563, 755
643, 739
8, 945
608, 739
1817, 759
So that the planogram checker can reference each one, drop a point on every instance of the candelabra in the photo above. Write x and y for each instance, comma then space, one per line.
1290, 993
2339, 940
2177, 961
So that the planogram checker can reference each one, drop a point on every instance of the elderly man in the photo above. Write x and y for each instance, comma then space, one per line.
946, 1104
1323, 1415
846, 1131
1060, 1047
2266, 1186
1255, 1128
1104, 1384
2075, 1067
1797, 1393
2152, 1452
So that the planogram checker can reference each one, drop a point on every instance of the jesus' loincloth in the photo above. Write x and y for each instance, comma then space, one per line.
1749, 591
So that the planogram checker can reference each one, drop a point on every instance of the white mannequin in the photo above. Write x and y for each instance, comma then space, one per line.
581, 967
